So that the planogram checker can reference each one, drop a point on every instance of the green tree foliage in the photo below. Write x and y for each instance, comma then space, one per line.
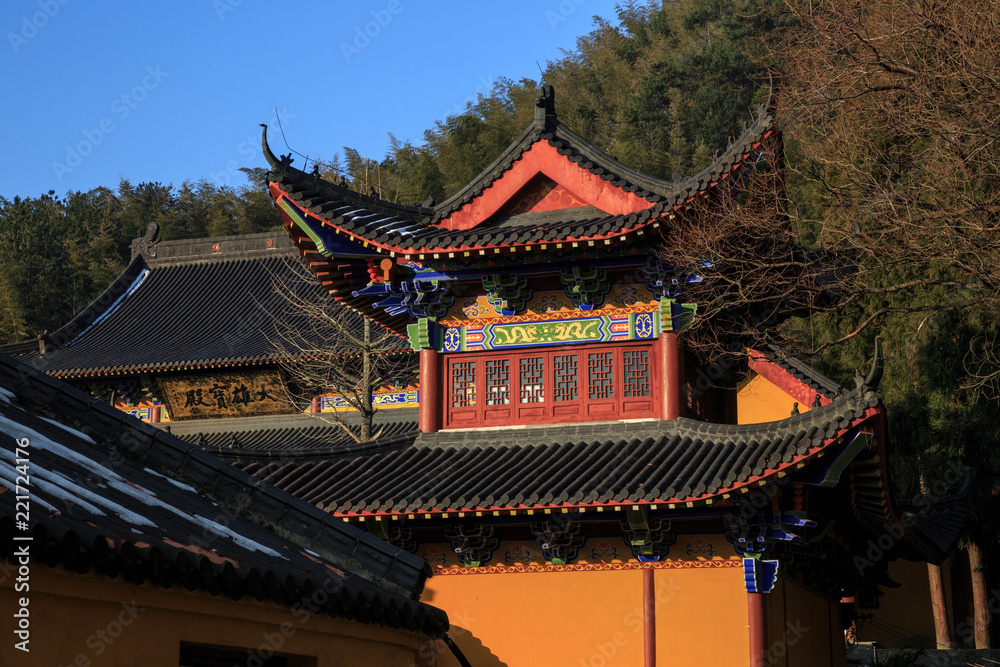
661, 88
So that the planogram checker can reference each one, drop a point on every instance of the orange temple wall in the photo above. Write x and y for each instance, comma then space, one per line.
518, 611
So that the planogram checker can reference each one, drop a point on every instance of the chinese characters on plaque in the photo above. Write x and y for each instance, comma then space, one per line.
231, 395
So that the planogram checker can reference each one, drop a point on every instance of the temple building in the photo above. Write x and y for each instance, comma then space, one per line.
583, 500
585, 490
190, 331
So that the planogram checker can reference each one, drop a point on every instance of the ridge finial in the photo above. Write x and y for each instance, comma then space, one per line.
545, 106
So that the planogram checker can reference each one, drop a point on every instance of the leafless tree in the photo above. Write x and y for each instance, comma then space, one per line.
327, 348
894, 112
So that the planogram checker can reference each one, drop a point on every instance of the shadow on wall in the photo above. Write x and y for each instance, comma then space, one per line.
472, 647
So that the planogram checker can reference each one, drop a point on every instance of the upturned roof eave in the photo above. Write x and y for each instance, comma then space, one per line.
422, 236
772, 450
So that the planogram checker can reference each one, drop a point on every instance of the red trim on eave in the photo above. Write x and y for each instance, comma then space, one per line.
542, 158
785, 381
741, 487
277, 192
412, 253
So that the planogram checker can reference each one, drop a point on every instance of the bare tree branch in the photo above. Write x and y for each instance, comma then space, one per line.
326, 348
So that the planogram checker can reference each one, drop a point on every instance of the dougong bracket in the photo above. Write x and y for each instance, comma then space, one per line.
508, 292
474, 543
558, 539
649, 537
586, 288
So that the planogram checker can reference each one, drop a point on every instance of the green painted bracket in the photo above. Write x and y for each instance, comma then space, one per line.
838, 467
676, 317
423, 334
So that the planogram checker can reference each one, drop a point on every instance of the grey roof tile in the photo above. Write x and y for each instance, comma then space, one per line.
227, 302
407, 471
133, 499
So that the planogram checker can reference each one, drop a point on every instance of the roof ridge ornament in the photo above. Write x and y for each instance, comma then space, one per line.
284, 160
874, 377
545, 106
146, 245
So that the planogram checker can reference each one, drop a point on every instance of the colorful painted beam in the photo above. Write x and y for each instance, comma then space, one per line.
584, 329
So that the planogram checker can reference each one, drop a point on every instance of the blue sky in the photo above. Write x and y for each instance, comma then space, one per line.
94, 92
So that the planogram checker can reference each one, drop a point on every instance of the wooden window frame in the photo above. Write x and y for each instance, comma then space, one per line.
548, 410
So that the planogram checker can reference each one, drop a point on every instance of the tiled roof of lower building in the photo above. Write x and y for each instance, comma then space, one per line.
676, 461
190, 304
111, 494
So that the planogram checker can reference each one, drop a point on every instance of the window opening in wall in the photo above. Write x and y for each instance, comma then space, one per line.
600, 378
564, 370
532, 379
636, 365
463, 384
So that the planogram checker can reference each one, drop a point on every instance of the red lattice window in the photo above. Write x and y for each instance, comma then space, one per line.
463, 384
532, 379
539, 386
636, 366
600, 375
497, 381
565, 383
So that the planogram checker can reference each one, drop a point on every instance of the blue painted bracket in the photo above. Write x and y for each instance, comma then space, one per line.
760, 576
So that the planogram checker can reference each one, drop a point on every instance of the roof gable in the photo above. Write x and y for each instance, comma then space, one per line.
541, 193
540, 172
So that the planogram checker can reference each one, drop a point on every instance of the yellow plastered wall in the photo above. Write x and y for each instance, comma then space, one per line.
594, 618
90, 620
701, 618
759, 400
803, 627
904, 618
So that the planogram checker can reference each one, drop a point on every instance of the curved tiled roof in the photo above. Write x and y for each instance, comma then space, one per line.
193, 304
674, 461
112, 495
395, 229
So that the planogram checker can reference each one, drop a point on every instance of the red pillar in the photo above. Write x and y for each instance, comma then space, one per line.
648, 618
154, 414
314, 405
758, 629
672, 382
430, 391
